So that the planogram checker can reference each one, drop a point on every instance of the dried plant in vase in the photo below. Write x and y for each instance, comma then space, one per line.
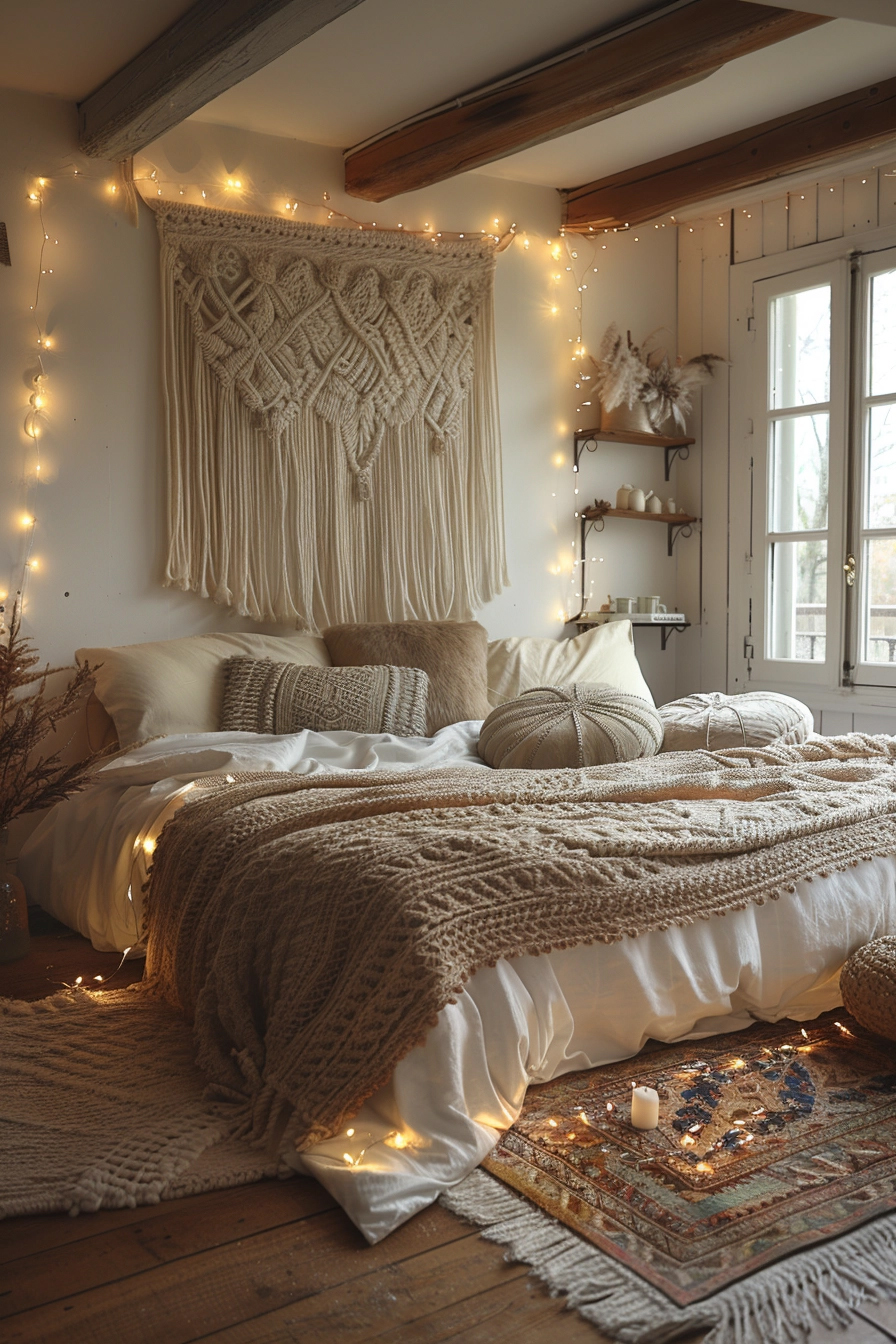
28, 780
640, 388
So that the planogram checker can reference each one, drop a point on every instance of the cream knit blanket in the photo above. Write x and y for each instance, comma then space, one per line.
314, 927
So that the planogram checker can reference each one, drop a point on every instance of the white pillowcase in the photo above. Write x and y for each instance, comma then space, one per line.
177, 685
605, 654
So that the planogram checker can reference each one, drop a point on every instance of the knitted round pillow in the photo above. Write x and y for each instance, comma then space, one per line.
868, 986
556, 727
715, 721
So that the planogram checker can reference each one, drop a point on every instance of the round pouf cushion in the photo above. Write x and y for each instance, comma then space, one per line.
714, 721
868, 986
552, 727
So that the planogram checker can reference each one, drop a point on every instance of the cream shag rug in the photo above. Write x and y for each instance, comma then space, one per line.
102, 1107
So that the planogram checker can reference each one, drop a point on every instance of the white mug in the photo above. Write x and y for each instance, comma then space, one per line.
649, 606
624, 604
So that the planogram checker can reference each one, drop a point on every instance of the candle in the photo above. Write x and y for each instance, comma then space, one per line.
645, 1108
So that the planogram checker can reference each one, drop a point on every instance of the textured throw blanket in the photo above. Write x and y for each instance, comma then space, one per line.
313, 928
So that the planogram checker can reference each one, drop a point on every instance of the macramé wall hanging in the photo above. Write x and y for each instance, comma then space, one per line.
332, 419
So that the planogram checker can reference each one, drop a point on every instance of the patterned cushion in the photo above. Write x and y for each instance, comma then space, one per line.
714, 721
554, 727
265, 697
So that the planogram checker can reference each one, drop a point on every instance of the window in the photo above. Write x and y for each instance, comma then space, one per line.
818, 599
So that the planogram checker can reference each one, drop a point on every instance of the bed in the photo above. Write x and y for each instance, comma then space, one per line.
526, 1018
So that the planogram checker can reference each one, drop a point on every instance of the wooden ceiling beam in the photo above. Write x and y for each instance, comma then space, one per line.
804, 139
619, 70
215, 45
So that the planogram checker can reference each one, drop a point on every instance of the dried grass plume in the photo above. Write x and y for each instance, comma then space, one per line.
29, 781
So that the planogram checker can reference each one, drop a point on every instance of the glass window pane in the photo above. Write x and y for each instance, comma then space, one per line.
799, 474
883, 334
798, 600
880, 599
880, 508
800, 348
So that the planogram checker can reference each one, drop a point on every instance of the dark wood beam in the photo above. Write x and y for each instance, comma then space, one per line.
617, 71
805, 139
213, 46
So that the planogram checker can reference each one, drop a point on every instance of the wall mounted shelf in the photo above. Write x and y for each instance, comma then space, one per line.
666, 628
677, 524
589, 439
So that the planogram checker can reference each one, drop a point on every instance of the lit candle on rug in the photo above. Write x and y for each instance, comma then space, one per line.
645, 1108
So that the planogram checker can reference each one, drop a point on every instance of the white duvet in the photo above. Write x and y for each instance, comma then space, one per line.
526, 1020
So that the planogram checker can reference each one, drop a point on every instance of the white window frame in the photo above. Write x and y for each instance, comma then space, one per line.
775, 671
742, 670
866, 673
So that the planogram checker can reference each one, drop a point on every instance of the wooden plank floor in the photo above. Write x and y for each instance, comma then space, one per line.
278, 1261
267, 1263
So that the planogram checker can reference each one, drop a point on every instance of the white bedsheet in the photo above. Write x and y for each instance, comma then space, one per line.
526, 1020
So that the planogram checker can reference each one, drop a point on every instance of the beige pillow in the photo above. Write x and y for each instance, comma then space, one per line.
713, 721
265, 697
557, 727
452, 653
605, 654
176, 685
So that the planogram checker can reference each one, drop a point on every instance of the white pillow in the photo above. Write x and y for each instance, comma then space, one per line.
177, 685
605, 654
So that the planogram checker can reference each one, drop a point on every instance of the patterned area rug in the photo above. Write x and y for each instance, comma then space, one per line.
769, 1141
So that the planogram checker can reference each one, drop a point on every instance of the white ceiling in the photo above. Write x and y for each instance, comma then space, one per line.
388, 59
67, 48
349, 81
871, 11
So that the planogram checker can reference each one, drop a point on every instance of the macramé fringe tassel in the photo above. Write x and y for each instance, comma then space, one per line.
778, 1305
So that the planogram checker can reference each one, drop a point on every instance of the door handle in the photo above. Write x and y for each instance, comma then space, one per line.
849, 569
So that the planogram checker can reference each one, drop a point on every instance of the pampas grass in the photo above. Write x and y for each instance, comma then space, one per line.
628, 373
29, 781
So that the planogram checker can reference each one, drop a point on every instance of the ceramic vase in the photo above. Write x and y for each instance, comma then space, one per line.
626, 419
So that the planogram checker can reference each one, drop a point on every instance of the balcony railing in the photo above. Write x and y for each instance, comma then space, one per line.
810, 632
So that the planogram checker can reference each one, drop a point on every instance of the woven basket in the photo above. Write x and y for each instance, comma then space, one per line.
868, 986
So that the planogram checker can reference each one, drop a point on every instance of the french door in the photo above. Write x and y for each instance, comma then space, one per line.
819, 594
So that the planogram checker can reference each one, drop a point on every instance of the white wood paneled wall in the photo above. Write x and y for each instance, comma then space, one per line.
831, 207
701, 483
823, 209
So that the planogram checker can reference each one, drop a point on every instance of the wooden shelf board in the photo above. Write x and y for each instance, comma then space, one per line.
677, 519
625, 436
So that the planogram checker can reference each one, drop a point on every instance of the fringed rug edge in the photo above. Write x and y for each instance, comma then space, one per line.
776, 1305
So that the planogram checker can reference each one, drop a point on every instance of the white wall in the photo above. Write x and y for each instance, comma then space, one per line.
99, 540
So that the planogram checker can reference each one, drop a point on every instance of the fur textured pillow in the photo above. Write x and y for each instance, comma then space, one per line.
565, 727
265, 697
452, 653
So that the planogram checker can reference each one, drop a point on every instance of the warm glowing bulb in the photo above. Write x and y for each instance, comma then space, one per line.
347, 1157
349, 1132
149, 846
32, 564
27, 520
33, 196
230, 779
553, 1124
398, 1141
79, 979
